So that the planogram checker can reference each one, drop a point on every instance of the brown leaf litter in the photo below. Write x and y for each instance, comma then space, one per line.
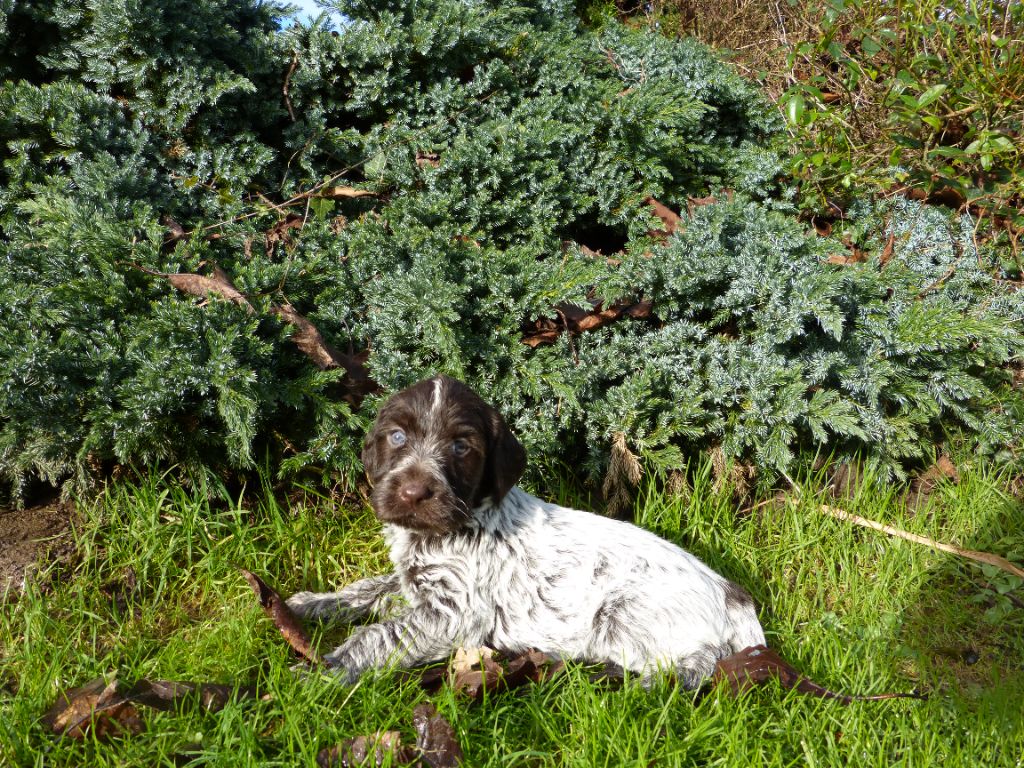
436, 745
107, 709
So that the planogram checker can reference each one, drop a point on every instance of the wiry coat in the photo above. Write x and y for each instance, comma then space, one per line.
481, 562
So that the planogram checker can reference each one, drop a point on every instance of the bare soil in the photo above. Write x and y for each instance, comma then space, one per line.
30, 539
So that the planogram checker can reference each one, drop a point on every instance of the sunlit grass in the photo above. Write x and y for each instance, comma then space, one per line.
156, 593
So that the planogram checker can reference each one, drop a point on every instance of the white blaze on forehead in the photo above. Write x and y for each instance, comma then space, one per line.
435, 400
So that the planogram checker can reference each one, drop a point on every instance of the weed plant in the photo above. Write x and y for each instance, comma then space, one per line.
879, 95
156, 593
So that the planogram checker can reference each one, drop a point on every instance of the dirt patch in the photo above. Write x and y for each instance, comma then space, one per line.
29, 539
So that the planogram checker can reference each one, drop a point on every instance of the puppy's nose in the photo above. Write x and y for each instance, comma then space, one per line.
414, 492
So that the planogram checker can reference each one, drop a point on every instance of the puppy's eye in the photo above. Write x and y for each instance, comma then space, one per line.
397, 438
460, 447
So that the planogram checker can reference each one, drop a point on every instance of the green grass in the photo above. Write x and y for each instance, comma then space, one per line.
855, 609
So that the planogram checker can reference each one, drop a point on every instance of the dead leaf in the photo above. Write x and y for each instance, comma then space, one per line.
279, 612
435, 738
431, 679
108, 709
925, 484
474, 671
576, 320
361, 749
307, 338
886, 255
759, 664
847, 479
697, 202
428, 159
166, 695
855, 256
669, 218
202, 286
175, 231
98, 707
342, 192
281, 232
548, 336
822, 226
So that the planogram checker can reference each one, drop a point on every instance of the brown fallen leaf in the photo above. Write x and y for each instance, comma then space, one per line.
428, 159
886, 255
175, 231
99, 707
855, 256
435, 738
939, 195
669, 218
109, 709
431, 679
367, 750
308, 339
847, 479
279, 612
822, 226
697, 202
202, 286
166, 695
336, 192
925, 484
532, 666
759, 664
281, 232
578, 320
474, 671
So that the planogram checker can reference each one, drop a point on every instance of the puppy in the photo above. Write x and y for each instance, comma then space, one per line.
480, 562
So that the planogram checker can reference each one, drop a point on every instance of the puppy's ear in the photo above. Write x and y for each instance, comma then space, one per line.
371, 455
506, 460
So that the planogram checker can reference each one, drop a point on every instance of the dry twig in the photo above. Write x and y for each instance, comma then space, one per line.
982, 557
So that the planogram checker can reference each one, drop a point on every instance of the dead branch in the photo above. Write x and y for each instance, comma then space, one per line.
981, 557
287, 84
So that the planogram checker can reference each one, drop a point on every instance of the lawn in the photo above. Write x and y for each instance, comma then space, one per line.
155, 592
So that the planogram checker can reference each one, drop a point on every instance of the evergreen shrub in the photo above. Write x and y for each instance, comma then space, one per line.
193, 197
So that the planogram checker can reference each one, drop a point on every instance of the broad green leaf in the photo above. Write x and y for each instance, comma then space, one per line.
931, 95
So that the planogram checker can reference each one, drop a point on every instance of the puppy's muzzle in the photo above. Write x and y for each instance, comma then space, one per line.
417, 498
412, 492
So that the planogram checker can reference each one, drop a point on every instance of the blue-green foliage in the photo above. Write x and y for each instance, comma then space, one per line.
498, 138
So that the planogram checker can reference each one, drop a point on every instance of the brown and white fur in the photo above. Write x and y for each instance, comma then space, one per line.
479, 561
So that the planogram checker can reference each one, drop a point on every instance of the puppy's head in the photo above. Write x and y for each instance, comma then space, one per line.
435, 452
